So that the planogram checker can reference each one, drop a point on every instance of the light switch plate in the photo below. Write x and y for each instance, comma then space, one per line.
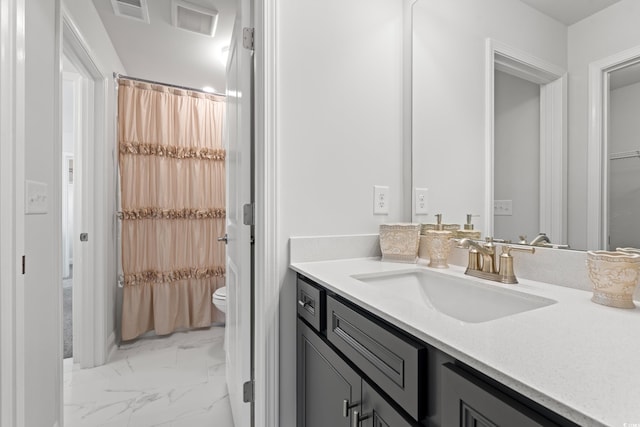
37, 198
422, 201
503, 207
380, 200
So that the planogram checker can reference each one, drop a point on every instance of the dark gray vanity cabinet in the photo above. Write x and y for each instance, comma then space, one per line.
357, 370
325, 383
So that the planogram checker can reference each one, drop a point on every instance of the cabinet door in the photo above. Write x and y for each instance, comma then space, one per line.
378, 412
469, 402
325, 383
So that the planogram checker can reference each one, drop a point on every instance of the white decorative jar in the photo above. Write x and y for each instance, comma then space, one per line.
399, 242
614, 276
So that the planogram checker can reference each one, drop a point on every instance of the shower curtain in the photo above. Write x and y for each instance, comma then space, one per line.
172, 182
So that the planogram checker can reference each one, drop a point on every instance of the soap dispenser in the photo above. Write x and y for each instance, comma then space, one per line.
468, 231
438, 244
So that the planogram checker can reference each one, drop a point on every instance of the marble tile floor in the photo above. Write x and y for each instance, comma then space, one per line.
174, 381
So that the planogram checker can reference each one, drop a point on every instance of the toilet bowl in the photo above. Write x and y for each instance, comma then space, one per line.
220, 299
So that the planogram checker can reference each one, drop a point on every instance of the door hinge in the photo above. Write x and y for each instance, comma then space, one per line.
248, 38
248, 214
247, 392
24, 264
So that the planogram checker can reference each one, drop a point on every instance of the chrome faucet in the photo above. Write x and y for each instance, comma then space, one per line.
540, 240
482, 260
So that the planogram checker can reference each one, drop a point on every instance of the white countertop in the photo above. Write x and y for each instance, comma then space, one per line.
577, 358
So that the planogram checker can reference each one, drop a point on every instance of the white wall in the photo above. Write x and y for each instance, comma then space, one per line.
42, 285
339, 123
87, 21
613, 30
448, 93
624, 174
517, 156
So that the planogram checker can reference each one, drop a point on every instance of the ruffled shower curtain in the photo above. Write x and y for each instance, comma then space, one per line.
173, 203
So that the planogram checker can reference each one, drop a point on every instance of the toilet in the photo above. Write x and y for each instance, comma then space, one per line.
220, 299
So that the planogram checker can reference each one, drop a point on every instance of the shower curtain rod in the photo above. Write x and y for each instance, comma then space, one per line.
120, 76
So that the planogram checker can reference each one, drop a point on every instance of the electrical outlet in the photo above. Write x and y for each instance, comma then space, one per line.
503, 207
422, 201
380, 200
37, 198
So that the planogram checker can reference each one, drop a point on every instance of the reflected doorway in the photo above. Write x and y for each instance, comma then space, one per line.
613, 155
517, 158
623, 152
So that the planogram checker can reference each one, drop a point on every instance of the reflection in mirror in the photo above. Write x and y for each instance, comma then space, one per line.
624, 157
516, 158
612, 193
529, 123
450, 108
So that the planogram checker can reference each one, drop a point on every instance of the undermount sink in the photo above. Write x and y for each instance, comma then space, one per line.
463, 299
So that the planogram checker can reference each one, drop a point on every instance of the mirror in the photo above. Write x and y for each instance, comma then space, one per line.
623, 149
474, 150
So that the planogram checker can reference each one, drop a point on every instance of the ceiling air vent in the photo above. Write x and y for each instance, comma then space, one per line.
194, 18
134, 9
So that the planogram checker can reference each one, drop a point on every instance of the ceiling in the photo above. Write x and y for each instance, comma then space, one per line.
158, 51
161, 52
569, 11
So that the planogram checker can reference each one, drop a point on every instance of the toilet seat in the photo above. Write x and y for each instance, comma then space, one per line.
220, 293
220, 299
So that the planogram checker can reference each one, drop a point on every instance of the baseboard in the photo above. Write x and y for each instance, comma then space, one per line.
111, 346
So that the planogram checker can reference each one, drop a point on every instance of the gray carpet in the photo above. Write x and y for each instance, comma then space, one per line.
67, 321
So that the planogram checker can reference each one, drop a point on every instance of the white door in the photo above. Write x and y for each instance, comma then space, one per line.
239, 193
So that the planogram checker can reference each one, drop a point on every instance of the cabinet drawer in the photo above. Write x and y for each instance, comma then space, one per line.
396, 364
468, 401
310, 301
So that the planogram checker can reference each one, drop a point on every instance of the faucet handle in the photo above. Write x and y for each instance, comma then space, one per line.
505, 270
501, 240
489, 243
507, 250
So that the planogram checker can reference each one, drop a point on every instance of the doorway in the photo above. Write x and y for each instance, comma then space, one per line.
517, 157
73, 112
552, 175
623, 153
71, 131
90, 160
612, 151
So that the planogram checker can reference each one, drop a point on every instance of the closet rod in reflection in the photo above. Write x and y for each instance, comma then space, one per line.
624, 155
136, 79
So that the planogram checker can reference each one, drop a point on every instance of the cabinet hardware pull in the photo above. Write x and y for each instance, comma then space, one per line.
346, 407
357, 418
303, 304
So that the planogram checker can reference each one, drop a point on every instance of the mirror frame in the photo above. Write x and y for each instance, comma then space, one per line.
598, 167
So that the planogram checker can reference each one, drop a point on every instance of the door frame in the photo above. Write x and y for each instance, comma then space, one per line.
12, 236
553, 133
598, 143
93, 156
269, 260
